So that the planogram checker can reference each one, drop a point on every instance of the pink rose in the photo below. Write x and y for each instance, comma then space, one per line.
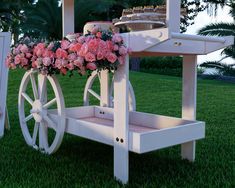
24, 61
99, 34
122, 50
115, 47
65, 44
64, 62
48, 53
121, 59
58, 63
79, 62
84, 50
50, 46
75, 47
60, 53
46, 61
70, 66
63, 71
109, 45
72, 57
81, 39
91, 66
28, 55
90, 57
34, 64
24, 48
100, 55
93, 46
117, 38
111, 57
17, 59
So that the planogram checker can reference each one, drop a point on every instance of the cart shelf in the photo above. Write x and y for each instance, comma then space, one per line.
147, 132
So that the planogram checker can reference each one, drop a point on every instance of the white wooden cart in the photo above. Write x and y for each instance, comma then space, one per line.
121, 126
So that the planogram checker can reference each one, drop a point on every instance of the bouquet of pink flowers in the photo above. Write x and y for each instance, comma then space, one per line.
98, 50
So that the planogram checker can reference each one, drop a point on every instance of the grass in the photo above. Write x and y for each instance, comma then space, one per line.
83, 163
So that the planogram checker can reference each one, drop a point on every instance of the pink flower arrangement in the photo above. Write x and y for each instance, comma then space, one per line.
95, 51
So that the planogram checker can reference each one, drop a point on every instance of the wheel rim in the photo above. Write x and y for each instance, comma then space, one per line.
88, 92
39, 115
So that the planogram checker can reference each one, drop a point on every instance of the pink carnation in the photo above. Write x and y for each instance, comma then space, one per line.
24, 61
24, 48
46, 61
111, 57
81, 39
99, 34
91, 66
50, 46
90, 57
117, 38
109, 45
28, 55
17, 59
72, 57
122, 50
65, 44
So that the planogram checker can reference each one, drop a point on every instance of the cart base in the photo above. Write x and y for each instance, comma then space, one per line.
147, 132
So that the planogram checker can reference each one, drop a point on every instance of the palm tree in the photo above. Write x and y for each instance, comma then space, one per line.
223, 29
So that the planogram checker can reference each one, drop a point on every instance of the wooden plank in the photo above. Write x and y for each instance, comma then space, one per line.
189, 101
5, 41
158, 139
173, 15
121, 119
68, 16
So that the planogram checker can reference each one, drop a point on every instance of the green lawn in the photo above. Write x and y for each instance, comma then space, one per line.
83, 163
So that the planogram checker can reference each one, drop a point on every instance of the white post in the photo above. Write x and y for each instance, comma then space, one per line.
104, 88
173, 15
5, 42
68, 16
42, 90
121, 121
189, 101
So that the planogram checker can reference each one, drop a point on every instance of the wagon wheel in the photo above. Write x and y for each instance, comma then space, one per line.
41, 129
89, 91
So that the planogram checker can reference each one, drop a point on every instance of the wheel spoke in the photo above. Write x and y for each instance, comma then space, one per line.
27, 98
42, 87
35, 133
50, 122
34, 86
50, 103
29, 117
94, 94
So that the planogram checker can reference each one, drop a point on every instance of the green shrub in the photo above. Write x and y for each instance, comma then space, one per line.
162, 65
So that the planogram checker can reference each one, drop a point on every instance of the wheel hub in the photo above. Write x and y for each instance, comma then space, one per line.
37, 111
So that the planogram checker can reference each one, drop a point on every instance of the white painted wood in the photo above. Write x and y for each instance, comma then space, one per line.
173, 15
68, 16
39, 112
5, 40
189, 101
104, 88
147, 132
104, 84
121, 120
142, 40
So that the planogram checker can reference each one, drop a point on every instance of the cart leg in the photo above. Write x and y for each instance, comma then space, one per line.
189, 101
42, 90
121, 123
104, 88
